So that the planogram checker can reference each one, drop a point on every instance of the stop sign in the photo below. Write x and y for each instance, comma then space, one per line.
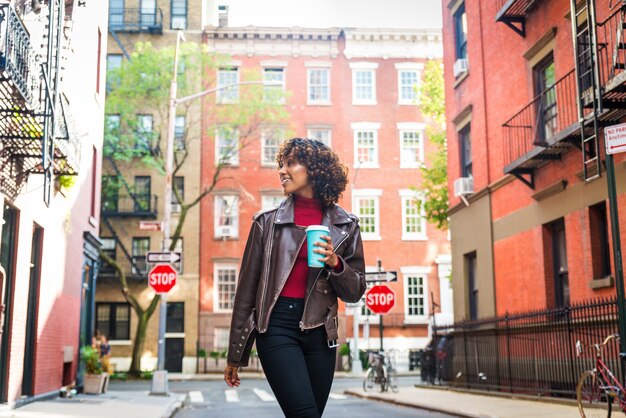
380, 299
162, 278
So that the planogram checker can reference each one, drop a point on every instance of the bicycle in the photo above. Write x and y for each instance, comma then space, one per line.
381, 372
598, 386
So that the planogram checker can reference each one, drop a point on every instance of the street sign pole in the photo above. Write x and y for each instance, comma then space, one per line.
617, 252
380, 321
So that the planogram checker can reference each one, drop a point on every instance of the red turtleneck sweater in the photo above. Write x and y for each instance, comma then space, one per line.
306, 212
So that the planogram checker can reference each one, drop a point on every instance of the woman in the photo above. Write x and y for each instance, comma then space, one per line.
290, 308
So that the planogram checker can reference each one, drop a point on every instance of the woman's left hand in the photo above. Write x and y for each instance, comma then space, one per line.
325, 248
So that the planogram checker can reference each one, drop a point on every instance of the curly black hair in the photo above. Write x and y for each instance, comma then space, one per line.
327, 174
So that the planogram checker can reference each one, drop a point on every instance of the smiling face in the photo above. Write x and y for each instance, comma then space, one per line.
294, 178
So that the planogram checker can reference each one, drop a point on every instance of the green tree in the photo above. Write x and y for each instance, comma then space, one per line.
141, 86
434, 183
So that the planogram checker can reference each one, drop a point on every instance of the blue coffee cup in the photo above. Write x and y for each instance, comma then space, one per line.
313, 234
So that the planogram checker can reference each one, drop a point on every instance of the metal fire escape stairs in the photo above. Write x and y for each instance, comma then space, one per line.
585, 35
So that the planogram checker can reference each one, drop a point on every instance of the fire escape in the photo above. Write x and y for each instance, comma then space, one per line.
570, 111
34, 137
121, 201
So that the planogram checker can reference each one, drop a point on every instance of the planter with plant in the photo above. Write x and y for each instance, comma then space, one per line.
96, 378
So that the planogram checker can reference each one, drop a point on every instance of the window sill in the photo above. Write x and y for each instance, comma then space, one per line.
415, 237
603, 283
415, 102
366, 165
416, 321
319, 103
460, 80
120, 342
414, 166
369, 103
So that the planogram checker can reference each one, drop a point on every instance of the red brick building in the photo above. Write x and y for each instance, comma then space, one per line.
353, 89
530, 225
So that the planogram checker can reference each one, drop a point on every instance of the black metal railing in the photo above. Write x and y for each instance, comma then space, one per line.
541, 121
513, 8
16, 54
136, 20
611, 48
139, 205
532, 353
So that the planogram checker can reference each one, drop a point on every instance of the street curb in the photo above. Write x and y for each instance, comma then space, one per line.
175, 406
414, 405
514, 396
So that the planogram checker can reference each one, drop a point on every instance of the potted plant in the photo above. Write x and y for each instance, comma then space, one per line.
96, 376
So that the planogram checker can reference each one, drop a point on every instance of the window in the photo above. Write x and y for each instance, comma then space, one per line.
460, 32
366, 207
274, 93
178, 184
225, 77
409, 75
226, 216
109, 194
116, 14
147, 13
112, 125
179, 133
98, 58
321, 134
318, 86
560, 271
366, 144
109, 246
179, 14
113, 320
143, 193
472, 285
114, 61
413, 216
466, 151
271, 138
225, 276
175, 321
415, 294
220, 339
546, 108
599, 233
144, 133
141, 246
411, 144
366, 315
269, 201
363, 83
227, 146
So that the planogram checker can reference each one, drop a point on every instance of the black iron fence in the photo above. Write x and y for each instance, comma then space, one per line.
532, 353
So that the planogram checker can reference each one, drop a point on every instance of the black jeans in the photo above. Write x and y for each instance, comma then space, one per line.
298, 365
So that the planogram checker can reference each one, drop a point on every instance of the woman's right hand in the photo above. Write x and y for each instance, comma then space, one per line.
231, 377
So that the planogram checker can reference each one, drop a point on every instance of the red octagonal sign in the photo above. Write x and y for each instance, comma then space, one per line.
162, 278
380, 299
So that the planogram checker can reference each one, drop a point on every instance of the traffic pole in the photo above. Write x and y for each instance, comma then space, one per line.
381, 327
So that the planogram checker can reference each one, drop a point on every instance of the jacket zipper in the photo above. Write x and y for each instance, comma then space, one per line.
308, 296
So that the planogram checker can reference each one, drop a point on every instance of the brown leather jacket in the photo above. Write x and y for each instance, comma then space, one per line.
266, 265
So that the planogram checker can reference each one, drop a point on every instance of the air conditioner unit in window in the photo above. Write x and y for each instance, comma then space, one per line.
460, 67
175, 208
224, 231
463, 186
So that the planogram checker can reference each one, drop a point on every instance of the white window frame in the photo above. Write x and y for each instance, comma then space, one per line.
229, 95
217, 267
310, 133
373, 194
415, 271
366, 316
363, 67
279, 134
234, 159
411, 127
357, 128
179, 140
273, 70
221, 334
406, 196
412, 67
217, 213
318, 66
270, 200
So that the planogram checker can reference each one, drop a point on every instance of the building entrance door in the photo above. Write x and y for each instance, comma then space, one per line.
174, 352
8, 250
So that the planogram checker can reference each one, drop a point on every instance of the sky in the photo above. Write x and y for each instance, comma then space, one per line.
415, 14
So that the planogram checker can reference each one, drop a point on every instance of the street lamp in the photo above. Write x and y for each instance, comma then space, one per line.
159, 379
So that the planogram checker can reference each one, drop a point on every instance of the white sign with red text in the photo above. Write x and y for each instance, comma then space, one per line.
615, 138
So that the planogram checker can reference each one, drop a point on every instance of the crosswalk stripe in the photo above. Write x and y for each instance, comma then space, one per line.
231, 395
195, 396
337, 396
264, 395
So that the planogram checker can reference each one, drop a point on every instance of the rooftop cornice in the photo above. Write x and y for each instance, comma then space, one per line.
273, 33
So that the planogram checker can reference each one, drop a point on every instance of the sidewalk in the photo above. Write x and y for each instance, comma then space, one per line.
116, 404
470, 405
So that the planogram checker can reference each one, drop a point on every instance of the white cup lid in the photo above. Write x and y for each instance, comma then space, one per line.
317, 228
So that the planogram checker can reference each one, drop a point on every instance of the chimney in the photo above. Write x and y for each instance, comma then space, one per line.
222, 12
